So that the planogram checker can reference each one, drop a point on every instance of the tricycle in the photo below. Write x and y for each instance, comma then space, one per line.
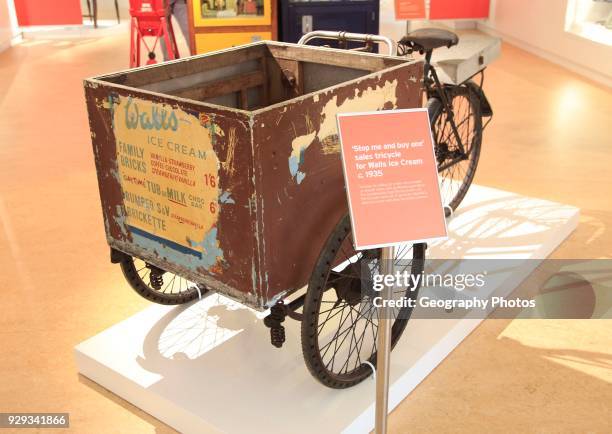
222, 173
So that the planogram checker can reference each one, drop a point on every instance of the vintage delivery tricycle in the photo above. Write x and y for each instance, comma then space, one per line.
222, 172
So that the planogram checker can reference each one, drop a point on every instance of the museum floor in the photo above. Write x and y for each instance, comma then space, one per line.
550, 138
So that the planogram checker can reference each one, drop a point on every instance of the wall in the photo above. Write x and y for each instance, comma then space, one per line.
6, 30
396, 29
46, 12
538, 26
106, 9
388, 25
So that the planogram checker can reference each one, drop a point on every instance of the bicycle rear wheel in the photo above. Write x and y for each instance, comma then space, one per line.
456, 169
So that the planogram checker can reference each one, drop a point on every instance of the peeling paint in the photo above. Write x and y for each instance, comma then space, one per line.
298, 147
331, 145
226, 197
373, 98
212, 252
276, 298
254, 276
370, 99
115, 174
232, 140
121, 222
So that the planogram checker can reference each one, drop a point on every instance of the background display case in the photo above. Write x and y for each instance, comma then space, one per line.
299, 17
218, 24
590, 19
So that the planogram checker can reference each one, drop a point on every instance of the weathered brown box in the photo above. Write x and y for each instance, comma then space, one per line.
225, 168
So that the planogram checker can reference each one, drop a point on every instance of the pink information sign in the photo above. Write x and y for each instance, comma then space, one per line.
409, 9
391, 177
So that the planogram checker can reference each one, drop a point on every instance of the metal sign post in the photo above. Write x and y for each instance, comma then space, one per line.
383, 356
379, 220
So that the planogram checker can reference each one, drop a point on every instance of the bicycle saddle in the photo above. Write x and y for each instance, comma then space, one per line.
428, 39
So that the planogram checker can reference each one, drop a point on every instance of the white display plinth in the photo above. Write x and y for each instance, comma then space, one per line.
209, 366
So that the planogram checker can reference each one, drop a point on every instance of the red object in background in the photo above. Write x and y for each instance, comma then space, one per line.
150, 19
458, 9
249, 7
409, 9
46, 12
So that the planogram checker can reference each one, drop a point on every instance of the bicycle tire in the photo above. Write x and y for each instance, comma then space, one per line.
311, 327
454, 186
136, 277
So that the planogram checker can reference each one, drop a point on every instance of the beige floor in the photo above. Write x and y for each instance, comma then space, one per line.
550, 138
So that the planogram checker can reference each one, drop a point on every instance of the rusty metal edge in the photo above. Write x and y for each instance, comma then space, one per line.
239, 47
336, 86
229, 110
245, 298
101, 79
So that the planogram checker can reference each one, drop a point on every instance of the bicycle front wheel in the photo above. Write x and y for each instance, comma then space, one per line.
456, 160
340, 323
161, 287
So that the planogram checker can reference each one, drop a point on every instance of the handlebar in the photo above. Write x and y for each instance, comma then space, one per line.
344, 36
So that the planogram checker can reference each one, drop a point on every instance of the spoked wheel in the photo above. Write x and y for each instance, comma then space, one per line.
157, 285
456, 168
339, 325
